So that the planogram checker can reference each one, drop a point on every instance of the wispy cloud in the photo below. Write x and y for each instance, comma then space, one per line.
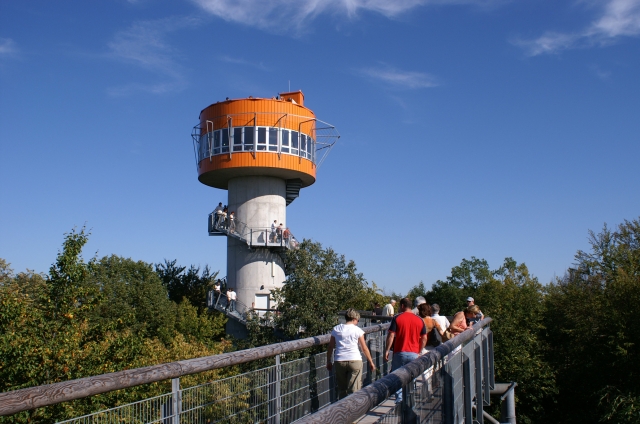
617, 19
243, 62
288, 15
602, 74
145, 45
398, 78
7, 46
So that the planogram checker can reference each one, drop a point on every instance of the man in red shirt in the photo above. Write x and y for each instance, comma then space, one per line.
407, 335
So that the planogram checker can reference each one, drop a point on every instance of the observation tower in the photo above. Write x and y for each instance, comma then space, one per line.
262, 151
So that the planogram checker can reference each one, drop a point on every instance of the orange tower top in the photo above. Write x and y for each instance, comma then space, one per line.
255, 136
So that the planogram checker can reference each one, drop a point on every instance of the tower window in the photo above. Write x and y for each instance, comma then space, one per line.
249, 136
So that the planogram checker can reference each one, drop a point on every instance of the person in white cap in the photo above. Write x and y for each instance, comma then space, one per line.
471, 302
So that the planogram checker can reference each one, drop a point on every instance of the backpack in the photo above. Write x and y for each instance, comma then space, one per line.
432, 335
432, 338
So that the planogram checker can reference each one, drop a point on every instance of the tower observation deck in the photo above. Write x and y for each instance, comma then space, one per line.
262, 151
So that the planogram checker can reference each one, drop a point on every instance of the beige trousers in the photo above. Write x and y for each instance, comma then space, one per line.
348, 377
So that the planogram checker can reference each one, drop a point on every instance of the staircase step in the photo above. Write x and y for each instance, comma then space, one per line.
293, 189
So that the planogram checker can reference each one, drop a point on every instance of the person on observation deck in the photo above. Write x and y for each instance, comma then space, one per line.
286, 235
216, 291
345, 340
232, 222
217, 212
279, 231
222, 221
231, 300
272, 236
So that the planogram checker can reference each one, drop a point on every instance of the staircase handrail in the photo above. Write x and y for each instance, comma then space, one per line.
240, 230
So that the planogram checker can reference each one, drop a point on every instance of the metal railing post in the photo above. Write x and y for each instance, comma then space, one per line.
278, 394
176, 396
408, 415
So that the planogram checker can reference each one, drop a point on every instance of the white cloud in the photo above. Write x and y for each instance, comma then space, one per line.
602, 74
399, 78
144, 44
618, 18
7, 46
243, 62
293, 15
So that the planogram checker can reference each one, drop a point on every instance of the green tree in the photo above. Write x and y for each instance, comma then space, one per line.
191, 284
592, 326
514, 299
321, 283
203, 327
132, 296
92, 318
463, 282
417, 290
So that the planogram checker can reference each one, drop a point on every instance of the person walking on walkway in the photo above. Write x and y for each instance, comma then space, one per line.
433, 328
388, 310
345, 340
407, 336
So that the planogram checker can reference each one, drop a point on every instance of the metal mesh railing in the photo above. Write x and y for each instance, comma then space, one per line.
152, 410
280, 393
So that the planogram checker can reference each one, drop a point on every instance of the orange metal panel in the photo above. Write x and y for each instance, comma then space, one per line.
219, 169
265, 112
295, 95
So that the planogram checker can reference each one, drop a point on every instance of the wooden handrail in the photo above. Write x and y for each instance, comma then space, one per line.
51, 394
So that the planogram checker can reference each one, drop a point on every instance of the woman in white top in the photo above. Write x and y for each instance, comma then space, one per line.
345, 339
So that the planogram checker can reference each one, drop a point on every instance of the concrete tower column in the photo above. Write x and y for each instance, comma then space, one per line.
257, 202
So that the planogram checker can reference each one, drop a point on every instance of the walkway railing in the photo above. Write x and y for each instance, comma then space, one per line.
278, 393
450, 384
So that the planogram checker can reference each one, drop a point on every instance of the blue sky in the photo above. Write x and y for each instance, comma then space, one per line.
482, 128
